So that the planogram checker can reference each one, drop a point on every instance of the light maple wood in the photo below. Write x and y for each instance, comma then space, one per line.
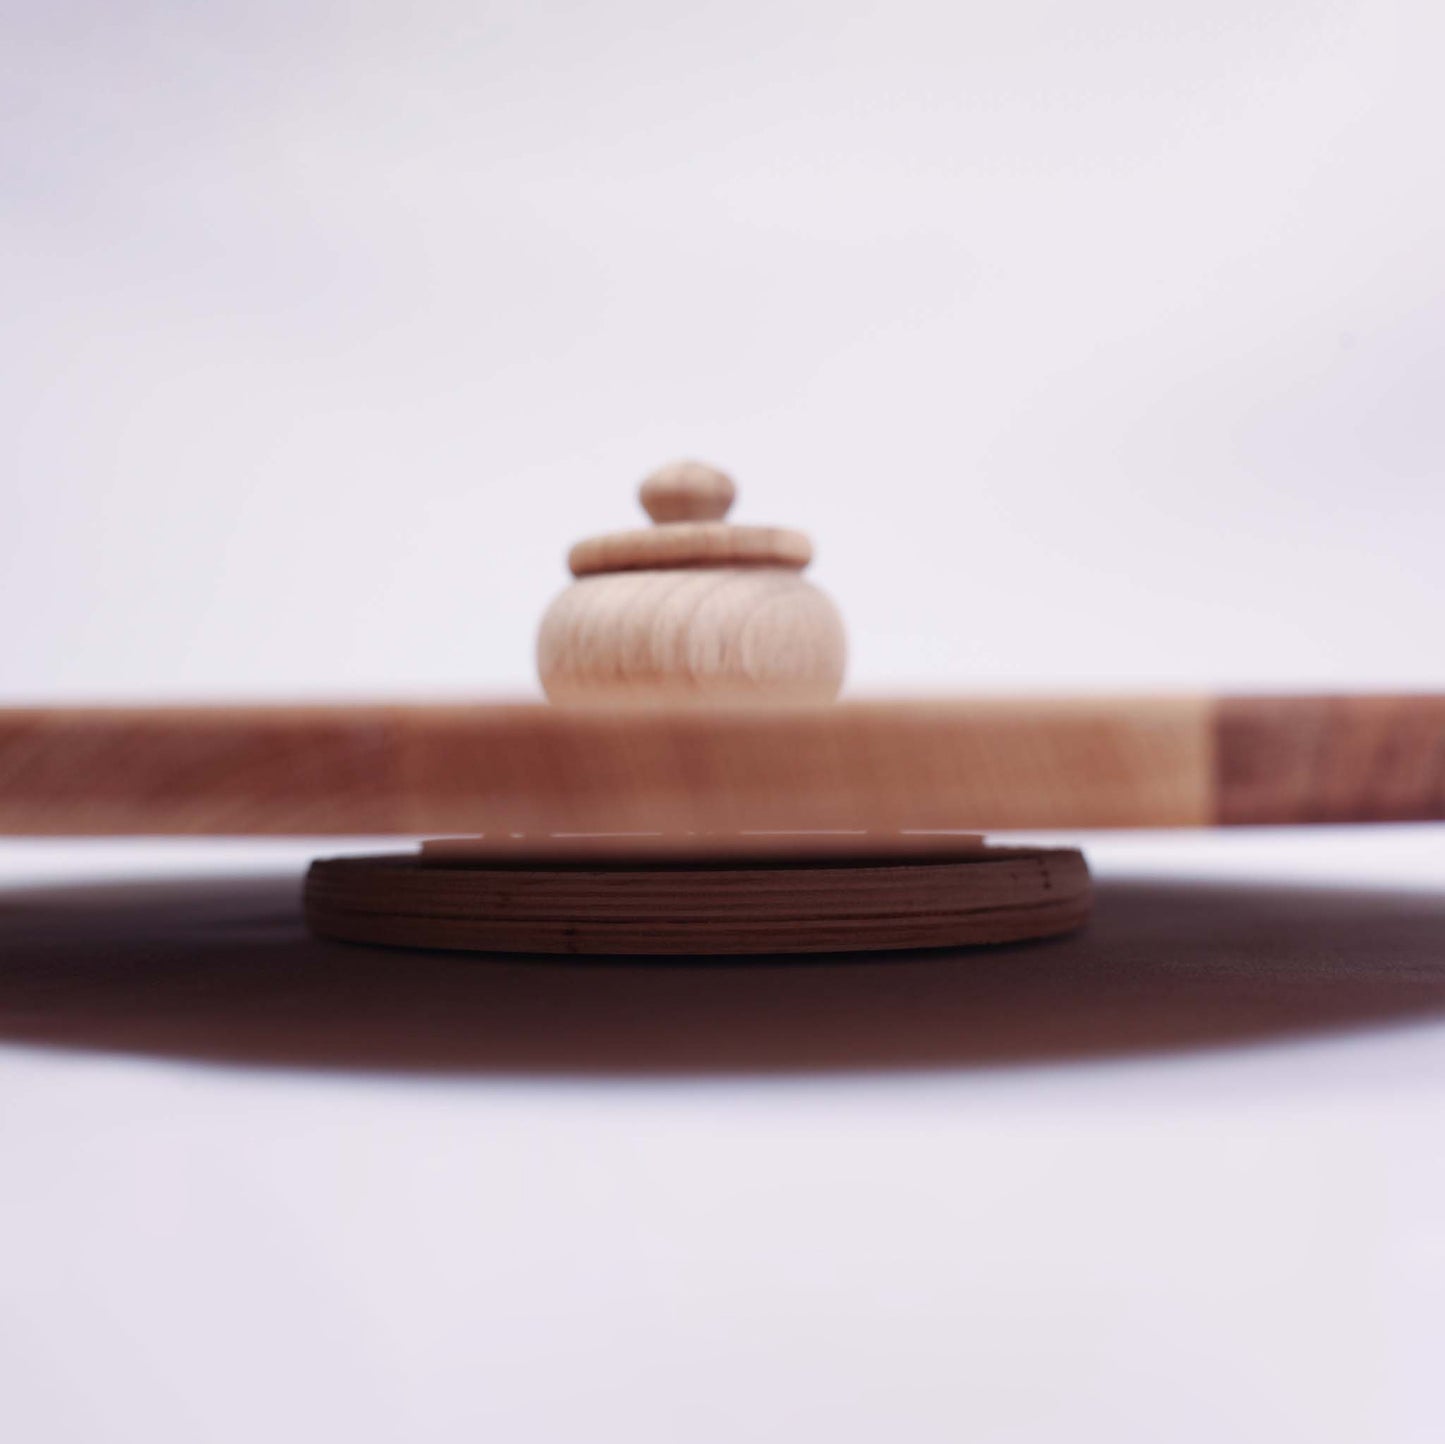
752, 845
994, 895
875, 767
687, 491
692, 610
691, 544
692, 636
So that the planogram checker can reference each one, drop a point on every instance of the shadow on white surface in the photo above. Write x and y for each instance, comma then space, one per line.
223, 970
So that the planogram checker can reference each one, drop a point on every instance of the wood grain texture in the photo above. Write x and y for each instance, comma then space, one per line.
530, 769
692, 610
1330, 759
691, 544
539, 770
994, 895
692, 636
201, 770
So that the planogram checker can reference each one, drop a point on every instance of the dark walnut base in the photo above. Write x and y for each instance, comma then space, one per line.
983, 895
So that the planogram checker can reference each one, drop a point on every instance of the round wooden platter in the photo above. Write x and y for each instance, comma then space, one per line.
525, 777
981, 895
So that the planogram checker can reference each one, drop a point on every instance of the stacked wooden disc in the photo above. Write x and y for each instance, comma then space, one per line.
989, 895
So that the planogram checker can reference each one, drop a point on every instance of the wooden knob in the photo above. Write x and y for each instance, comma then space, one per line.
687, 491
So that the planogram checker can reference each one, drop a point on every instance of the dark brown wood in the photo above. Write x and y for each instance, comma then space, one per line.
1329, 759
993, 895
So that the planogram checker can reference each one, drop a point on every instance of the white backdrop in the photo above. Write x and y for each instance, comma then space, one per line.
1097, 345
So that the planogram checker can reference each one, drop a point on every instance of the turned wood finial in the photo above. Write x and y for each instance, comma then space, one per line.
687, 491
694, 608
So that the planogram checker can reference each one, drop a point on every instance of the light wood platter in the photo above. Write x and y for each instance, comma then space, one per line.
985, 895
525, 778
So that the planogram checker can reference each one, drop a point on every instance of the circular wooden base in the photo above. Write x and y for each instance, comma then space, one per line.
985, 895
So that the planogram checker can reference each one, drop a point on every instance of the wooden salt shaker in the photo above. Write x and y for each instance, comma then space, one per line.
691, 609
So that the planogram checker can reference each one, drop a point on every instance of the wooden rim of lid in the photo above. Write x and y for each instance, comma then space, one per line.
691, 544
688, 501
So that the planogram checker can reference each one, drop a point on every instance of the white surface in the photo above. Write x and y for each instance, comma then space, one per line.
1234, 1242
